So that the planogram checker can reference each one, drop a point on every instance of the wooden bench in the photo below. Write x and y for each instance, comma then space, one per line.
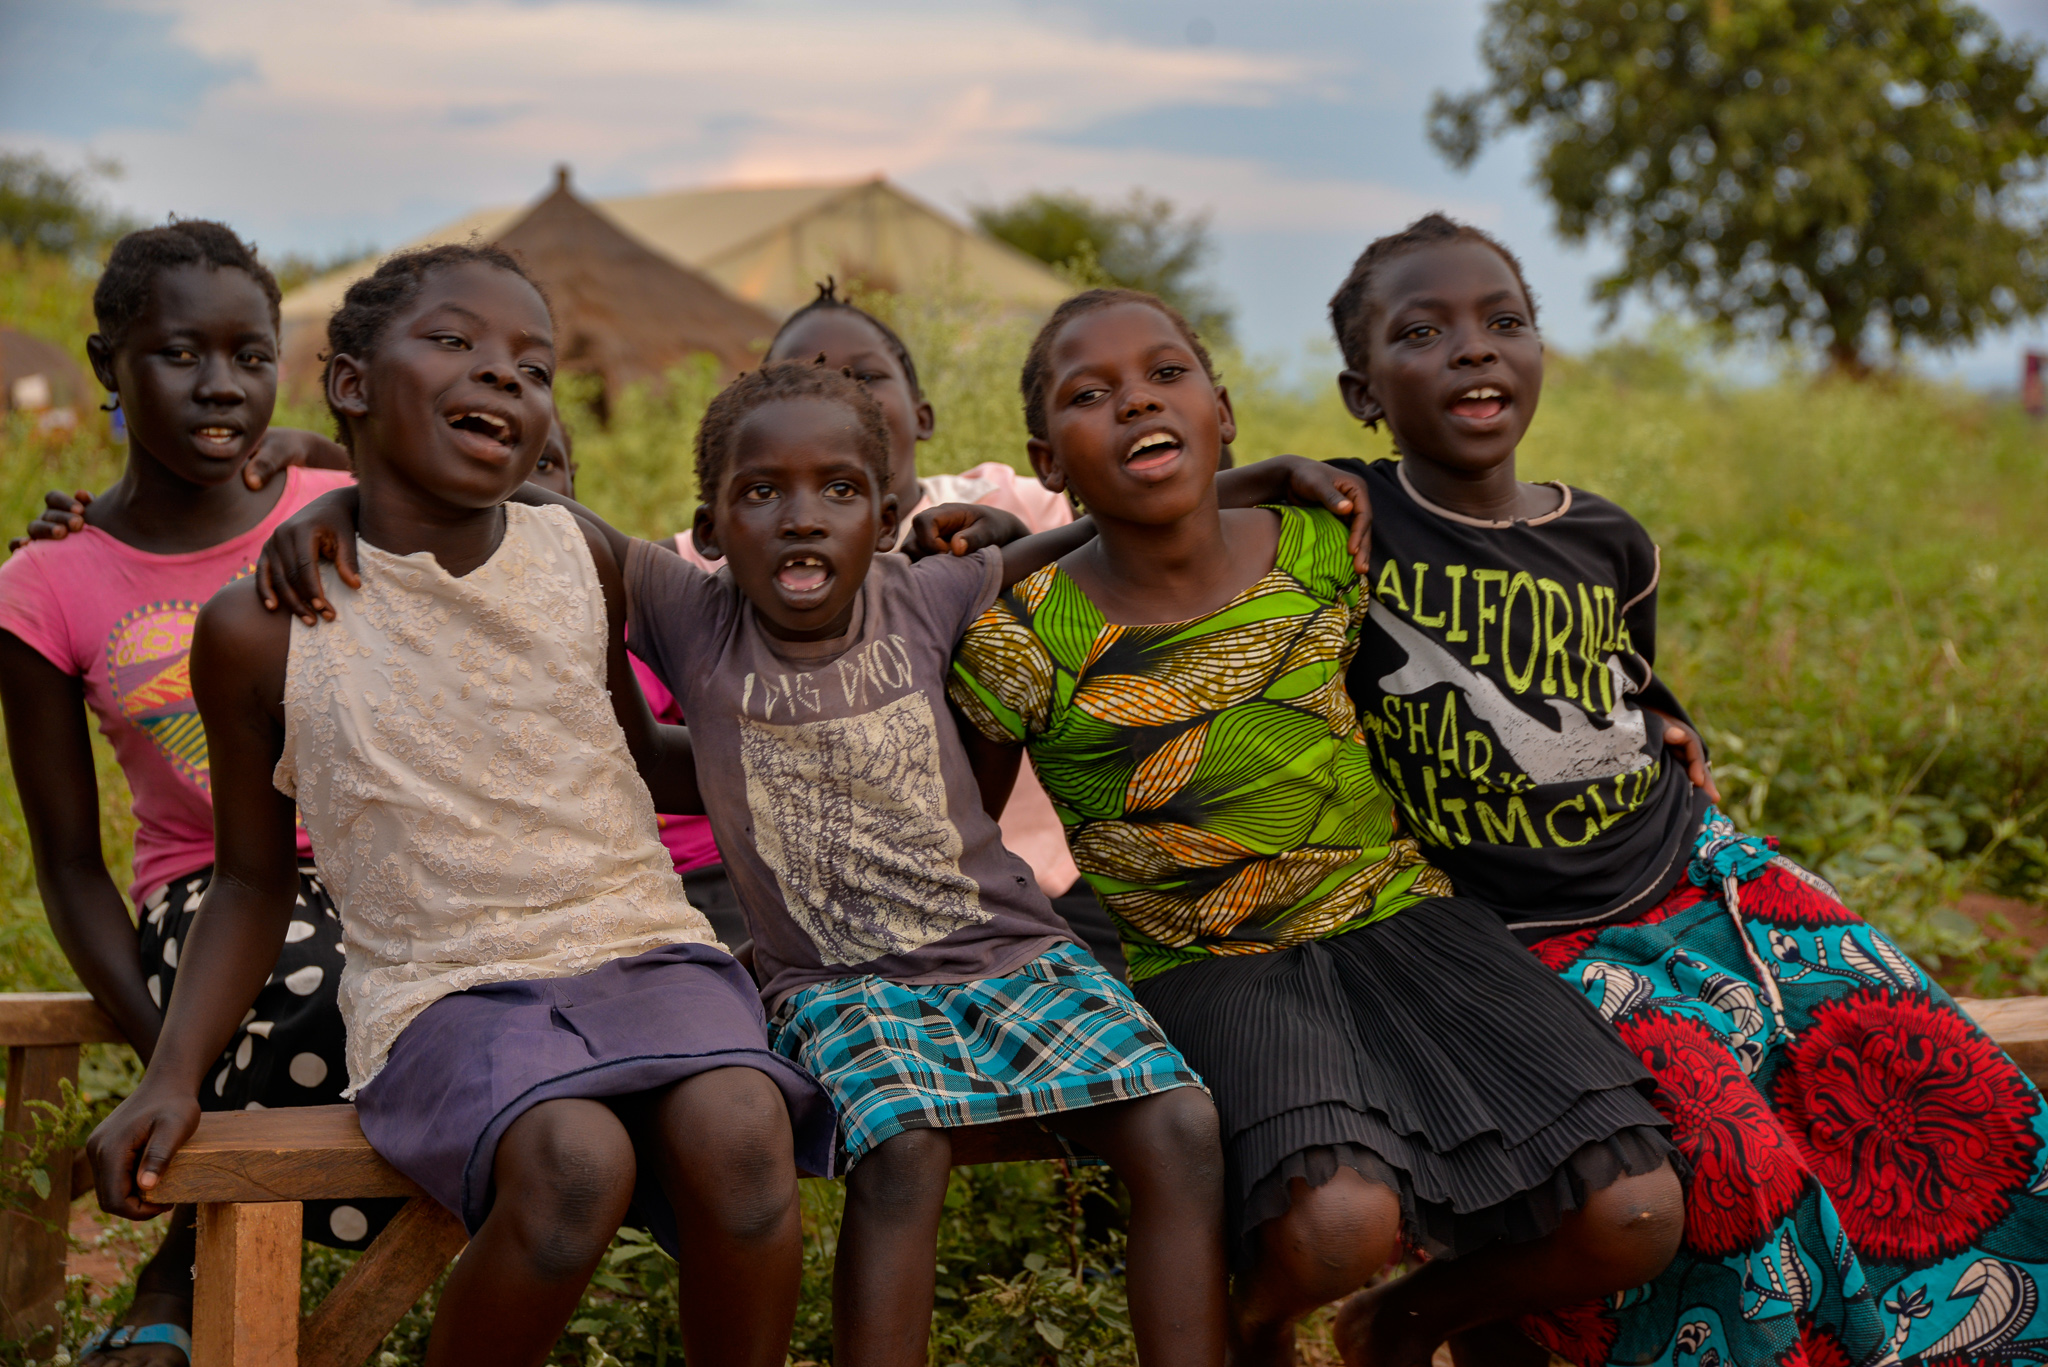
42, 1032
247, 1171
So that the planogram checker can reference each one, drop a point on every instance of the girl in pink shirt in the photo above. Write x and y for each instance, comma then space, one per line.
98, 617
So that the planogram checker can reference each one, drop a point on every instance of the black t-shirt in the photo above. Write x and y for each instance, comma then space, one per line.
1501, 679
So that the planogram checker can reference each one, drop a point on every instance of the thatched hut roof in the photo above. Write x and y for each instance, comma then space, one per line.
622, 311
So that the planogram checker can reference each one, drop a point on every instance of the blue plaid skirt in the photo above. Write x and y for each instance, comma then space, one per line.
1058, 1034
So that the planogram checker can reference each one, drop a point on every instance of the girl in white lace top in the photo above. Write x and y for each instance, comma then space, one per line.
542, 1031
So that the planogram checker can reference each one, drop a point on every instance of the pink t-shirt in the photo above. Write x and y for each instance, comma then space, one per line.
122, 620
688, 838
1031, 829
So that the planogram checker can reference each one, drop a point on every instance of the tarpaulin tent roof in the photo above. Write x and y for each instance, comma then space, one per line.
622, 310
773, 244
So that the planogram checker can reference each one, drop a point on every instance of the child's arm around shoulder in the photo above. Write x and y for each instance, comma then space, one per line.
288, 566
288, 569
964, 528
1310, 483
662, 754
961, 529
239, 653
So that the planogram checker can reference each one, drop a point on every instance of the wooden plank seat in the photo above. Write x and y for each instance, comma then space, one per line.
247, 1171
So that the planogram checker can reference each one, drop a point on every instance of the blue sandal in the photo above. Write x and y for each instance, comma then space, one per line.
130, 1335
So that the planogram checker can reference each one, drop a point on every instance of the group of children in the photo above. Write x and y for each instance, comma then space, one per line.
1437, 948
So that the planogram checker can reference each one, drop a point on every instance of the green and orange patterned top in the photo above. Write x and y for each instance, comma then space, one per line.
1216, 790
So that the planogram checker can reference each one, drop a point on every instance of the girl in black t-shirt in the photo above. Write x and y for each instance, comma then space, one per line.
1864, 1164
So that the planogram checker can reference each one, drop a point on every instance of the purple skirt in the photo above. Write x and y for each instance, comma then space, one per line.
475, 1061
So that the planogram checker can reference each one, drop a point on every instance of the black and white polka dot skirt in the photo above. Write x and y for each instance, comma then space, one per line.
289, 1048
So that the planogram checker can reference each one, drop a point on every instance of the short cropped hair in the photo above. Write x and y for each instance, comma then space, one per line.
373, 301
1351, 307
1037, 376
774, 383
140, 257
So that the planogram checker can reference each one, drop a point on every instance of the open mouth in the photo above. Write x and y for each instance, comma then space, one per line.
488, 426
1480, 402
803, 574
1152, 451
216, 435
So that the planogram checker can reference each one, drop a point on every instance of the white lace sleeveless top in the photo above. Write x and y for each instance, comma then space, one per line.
474, 810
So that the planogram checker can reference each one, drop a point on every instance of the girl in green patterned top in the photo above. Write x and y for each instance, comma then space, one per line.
1392, 1070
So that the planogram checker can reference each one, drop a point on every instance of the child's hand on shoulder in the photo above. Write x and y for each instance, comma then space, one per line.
288, 570
284, 447
62, 515
1310, 483
962, 529
280, 449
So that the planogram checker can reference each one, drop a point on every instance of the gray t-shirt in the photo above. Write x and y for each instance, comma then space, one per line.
845, 807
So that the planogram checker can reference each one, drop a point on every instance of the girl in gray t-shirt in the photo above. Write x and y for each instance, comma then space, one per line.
908, 959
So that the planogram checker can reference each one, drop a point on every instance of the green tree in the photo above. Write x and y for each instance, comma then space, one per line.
45, 209
1854, 174
1144, 243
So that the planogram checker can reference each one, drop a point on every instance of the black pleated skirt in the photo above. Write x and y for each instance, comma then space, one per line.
1429, 1052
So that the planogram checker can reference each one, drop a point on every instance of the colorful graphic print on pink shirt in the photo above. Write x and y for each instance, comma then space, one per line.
150, 675
121, 621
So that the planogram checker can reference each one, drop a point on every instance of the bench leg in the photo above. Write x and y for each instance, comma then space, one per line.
385, 1282
35, 1242
245, 1304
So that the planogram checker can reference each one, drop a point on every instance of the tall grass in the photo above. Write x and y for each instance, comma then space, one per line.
1852, 606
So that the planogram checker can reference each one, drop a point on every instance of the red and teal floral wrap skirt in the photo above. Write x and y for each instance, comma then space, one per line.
1867, 1181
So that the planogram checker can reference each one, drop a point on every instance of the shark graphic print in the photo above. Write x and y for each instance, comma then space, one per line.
1501, 681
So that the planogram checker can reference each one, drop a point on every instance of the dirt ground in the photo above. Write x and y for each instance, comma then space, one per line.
105, 1250
2027, 921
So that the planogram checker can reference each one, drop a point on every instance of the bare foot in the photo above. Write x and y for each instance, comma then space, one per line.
148, 1308
1367, 1337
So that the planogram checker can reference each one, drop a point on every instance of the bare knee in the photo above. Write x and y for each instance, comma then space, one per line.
1334, 1237
1629, 1231
725, 1135
564, 1173
1174, 1142
903, 1177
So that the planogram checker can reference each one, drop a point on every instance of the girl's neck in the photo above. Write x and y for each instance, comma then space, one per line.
1145, 574
160, 512
405, 521
1490, 495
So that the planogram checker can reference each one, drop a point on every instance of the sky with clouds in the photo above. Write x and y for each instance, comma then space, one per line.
1297, 125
